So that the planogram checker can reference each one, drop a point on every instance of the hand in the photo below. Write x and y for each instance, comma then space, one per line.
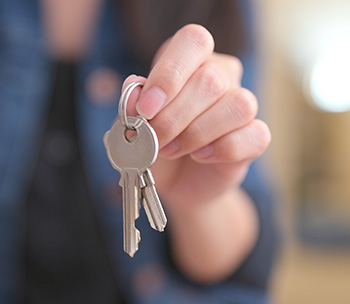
208, 135
204, 120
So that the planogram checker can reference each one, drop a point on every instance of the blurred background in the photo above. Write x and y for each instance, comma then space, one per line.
304, 48
305, 87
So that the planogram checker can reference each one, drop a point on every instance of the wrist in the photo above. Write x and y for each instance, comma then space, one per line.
182, 212
199, 235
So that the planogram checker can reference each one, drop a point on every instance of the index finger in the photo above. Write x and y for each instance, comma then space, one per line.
186, 51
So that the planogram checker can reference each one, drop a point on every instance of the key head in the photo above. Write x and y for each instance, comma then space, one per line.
138, 152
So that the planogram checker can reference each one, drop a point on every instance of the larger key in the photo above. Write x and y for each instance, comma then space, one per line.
131, 157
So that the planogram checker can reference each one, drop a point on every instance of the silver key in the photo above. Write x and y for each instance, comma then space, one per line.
151, 203
131, 157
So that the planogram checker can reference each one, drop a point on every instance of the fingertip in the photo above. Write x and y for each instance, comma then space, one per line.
199, 34
151, 102
187, 50
263, 136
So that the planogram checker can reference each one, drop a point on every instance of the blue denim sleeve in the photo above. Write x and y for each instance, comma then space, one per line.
23, 83
248, 284
256, 269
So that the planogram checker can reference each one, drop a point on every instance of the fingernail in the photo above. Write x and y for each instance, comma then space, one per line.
170, 148
204, 152
151, 102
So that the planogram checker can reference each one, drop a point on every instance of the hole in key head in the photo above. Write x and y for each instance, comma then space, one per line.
130, 135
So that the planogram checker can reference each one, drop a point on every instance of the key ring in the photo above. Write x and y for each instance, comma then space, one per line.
123, 103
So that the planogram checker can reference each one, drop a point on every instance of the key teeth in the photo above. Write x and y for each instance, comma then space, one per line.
138, 234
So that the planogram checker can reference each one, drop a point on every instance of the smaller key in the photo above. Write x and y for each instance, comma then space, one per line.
151, 202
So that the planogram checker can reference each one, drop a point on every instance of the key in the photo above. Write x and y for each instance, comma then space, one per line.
131, 157
151, 203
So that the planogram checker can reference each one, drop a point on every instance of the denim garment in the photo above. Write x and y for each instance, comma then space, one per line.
24, 82
24, 79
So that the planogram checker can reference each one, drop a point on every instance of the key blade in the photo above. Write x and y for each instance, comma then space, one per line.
153, 208
145, 204
149, 214
131, 206
151, 203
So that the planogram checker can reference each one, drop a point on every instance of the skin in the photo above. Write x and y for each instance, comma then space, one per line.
208, 136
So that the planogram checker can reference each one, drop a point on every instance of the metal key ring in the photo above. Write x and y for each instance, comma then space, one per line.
123, 103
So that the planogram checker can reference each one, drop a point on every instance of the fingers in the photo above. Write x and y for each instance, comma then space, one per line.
189, 51
186, 51
230, 137
235, 109
231, 64
246, 143
237, 146
210, 85
196, 105
216, 125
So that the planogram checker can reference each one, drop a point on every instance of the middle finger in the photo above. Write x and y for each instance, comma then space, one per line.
235, 109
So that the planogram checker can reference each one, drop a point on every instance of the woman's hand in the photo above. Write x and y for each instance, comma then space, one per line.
208, 135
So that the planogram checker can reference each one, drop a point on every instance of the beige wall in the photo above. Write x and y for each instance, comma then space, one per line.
310, 148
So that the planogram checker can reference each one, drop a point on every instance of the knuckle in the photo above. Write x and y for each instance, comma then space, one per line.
166, 126
263, 136
193, 135
245, 104
230, 153
211, 81
199, 35
236, 65
172, 72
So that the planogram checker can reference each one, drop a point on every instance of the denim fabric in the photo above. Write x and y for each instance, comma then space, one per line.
24, 83
24, 80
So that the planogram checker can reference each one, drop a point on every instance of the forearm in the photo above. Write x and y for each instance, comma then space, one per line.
210, 240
